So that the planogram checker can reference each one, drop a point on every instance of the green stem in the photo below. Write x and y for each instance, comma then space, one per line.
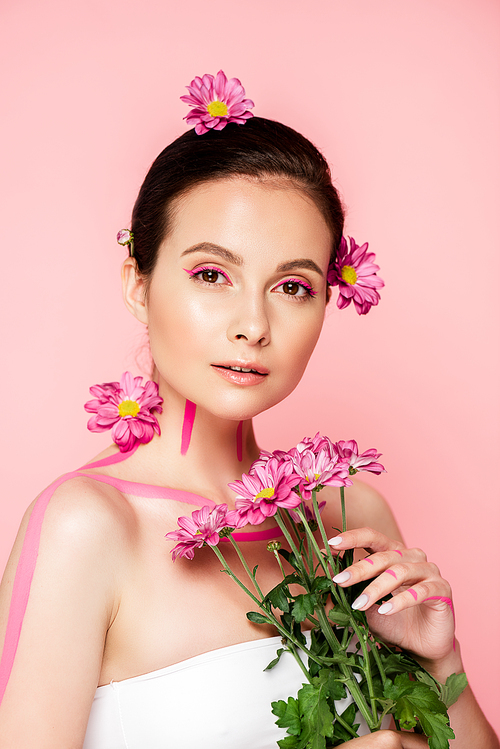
278, 559
319, 555
342, 504
378, 660
350, 681
246, 567
298, 556
269, 616
297, 657
333, 562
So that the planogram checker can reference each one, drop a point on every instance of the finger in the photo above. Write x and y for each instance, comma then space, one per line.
419, 582
388, 740
440, 600
377, 564
365, 538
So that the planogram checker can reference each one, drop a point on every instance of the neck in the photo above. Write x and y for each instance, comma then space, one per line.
201, 454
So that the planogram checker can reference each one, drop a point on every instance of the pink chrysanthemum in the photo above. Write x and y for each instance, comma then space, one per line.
216, 101
261, 493
203, 527
316, 469
264, 458
316, 444
355, 273
127, 408
348, 452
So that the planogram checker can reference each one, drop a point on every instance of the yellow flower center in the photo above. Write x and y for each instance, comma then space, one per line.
265, 493
128, 408
217, 109
349, 275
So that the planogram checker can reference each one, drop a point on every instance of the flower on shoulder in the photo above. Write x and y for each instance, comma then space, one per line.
205, 526
355, 273
127, 408
260, 493
348, 452
216, 101
318, 469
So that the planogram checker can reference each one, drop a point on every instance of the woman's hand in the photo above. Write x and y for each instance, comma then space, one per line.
419, 616
388, 740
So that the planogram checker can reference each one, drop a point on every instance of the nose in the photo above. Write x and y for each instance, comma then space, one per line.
250, 322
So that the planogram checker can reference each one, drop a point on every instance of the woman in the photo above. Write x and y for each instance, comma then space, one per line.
233, 234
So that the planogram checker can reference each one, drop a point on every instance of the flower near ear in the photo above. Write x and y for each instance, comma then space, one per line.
355, 273
203, 527
348, 452
318, 469
216, 101
268, 487
127, 408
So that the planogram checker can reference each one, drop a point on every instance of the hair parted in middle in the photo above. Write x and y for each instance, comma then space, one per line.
260, 149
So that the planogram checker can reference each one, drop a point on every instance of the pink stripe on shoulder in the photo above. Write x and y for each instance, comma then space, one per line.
22, 581
110, 460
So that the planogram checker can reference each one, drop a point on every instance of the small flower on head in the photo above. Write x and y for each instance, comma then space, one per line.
348, 452
205, 526
355, 273
126, 237
268, 487
127, 408
216, 101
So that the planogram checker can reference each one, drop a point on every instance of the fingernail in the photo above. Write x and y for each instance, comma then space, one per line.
335, 541
360, 602
342, 577
385, 608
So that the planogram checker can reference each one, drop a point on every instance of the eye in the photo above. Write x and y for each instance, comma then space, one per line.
295, 288
210, 276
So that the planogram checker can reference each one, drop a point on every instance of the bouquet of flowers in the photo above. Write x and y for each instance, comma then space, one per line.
341, 656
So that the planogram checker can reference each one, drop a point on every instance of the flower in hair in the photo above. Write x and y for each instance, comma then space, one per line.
127, 408
355, 273
126, 237
216, 101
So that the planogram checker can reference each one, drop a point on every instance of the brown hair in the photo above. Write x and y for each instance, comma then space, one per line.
260, 148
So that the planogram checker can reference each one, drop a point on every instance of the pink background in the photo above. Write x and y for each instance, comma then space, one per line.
400, 96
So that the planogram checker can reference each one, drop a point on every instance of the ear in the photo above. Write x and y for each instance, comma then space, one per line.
328, 293
134, 290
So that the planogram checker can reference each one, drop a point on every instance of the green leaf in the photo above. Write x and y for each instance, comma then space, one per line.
451, 691
276, 660
437, 729
304, 605
289, 742
290, 558
278, 598
338, 617
315, 710
255, 570
288, 715
321, 583
257, 618
349, 714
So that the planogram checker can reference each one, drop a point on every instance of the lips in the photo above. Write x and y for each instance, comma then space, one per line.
241, 373
246, 367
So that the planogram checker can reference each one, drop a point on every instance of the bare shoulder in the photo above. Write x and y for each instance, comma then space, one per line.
67, 563
365, 507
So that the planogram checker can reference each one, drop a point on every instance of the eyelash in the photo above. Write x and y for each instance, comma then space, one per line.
196, 273
303, 284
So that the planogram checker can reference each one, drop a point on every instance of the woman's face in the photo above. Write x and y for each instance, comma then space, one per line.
239, 284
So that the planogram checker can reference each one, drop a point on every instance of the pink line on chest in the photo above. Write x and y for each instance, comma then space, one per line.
187, 426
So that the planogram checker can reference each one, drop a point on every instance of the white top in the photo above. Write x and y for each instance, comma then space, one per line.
217, 700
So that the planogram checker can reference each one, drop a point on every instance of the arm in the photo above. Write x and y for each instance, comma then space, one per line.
71, 603
420, 617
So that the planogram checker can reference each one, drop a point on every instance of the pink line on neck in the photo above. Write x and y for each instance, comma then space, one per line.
239, 441
187, 426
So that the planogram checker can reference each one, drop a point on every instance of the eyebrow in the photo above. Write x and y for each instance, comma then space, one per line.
231, 257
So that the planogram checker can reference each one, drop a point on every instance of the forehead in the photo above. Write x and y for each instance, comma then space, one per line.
247, 215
